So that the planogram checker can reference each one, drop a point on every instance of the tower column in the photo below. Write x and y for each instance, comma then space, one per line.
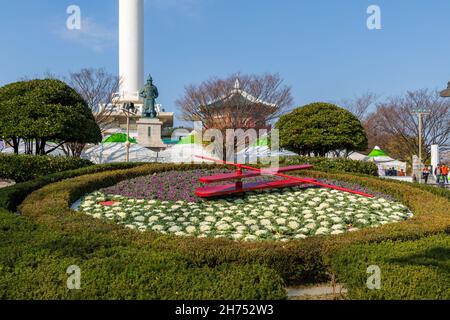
131, 49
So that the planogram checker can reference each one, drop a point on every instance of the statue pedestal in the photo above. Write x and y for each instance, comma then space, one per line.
149, 133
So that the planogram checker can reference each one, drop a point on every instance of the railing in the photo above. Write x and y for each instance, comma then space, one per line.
125, 96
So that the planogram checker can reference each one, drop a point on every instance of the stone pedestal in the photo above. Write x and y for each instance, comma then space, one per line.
149, 133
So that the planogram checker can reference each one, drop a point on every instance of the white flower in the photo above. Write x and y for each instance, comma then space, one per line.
310, 226
237, 236
337, 232
265, 222
210, 219
293, 225
250, 238
281, 221
321, 231
268, 214
336, 219
250, 222
308, 216
260, 232
174, 229
158, 227
204, 228
122, 214
223, 227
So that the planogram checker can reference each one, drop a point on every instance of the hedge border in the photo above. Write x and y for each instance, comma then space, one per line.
297, 260
24, 167
11, 197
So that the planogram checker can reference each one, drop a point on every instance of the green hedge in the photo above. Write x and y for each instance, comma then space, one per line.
409, 270
35, 258
12, 196
22, 168
296, 261
334, 164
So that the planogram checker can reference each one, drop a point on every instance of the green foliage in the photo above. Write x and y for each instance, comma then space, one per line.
12, 196
296, 261
319, 128
334, 164
123, 264
409, 270
22, 168
34, 261
45, 110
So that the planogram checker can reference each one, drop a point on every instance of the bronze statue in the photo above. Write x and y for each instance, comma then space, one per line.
150, 94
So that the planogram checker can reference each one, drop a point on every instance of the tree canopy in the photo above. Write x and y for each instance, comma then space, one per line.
319, 128
39, 111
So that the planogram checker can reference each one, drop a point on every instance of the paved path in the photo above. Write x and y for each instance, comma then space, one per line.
319, 292
6, 183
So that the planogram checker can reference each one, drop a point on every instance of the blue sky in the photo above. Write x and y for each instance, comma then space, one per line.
321, 48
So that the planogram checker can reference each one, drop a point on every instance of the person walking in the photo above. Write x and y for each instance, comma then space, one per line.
437, 173
425, 174
444, 173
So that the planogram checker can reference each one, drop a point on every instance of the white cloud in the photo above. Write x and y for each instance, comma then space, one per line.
92, 35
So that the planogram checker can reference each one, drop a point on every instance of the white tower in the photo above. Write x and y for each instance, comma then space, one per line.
131, 49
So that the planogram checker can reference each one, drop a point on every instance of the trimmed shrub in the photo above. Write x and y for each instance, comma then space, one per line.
35, 258
22, 168
334, 164
296, 261
12, 196
409, 270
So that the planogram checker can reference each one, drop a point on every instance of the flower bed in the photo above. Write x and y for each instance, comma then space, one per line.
181, 185
166, 203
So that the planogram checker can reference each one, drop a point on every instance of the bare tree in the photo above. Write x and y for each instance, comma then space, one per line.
97, 87
395, 119
238, 102
360, 105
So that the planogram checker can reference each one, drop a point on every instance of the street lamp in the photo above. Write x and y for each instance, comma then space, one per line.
130, 110
421, 111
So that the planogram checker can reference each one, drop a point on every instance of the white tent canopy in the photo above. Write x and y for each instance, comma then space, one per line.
384, 162
56, 153
116, 152
256, 152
